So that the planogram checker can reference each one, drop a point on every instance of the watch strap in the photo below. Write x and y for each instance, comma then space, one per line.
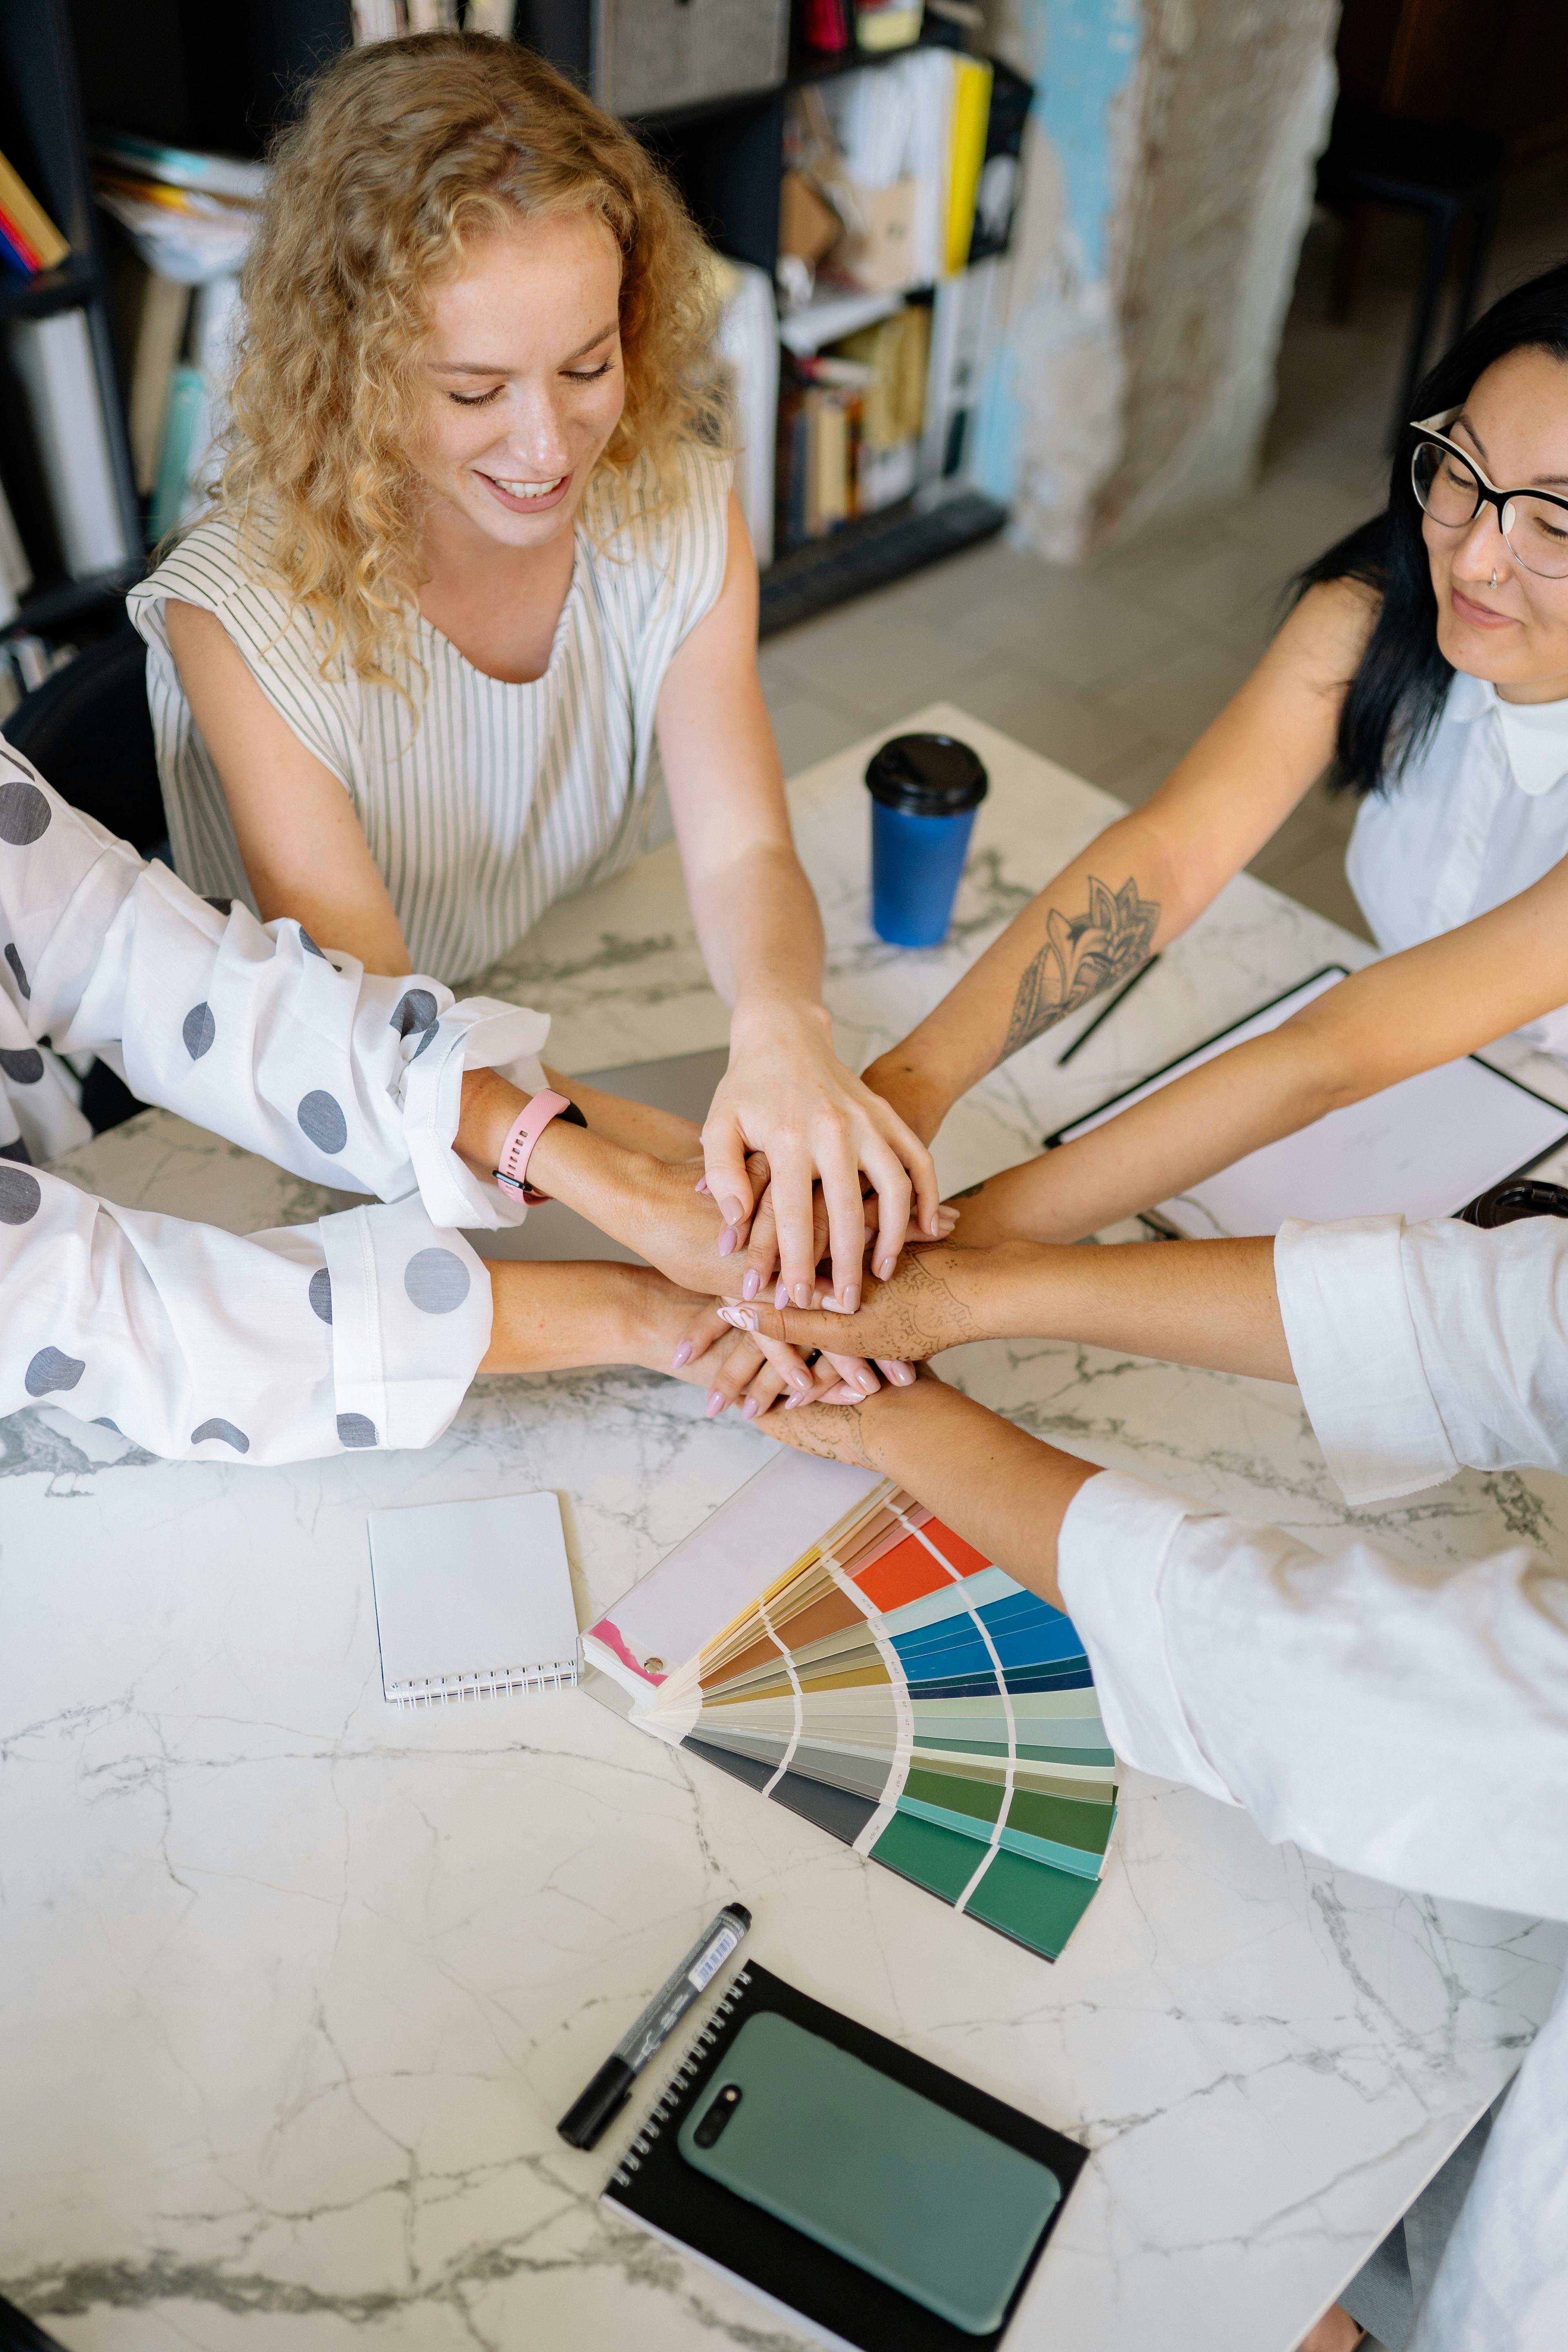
511, 1164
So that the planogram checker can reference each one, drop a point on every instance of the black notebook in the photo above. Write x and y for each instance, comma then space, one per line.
801, 2279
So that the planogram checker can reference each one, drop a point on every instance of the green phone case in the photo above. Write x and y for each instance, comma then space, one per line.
923, 2201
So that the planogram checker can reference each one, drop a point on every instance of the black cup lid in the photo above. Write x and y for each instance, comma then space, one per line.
929, 775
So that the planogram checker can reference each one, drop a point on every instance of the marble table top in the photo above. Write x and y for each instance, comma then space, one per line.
295, 1984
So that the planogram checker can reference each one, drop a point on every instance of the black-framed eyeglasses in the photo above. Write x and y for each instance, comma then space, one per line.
1452, 489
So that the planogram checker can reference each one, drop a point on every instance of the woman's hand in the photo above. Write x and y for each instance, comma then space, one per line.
937, 1298
760, 1259
728, 1364
788, 1095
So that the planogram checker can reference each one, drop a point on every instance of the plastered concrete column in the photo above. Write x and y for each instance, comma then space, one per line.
1168, 183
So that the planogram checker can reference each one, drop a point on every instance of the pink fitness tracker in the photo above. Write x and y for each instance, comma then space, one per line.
524, 1134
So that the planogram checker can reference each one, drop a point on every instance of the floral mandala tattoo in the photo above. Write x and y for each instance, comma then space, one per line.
1080, 957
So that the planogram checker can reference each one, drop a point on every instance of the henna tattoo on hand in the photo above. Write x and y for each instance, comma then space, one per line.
1080, 957
918, 1313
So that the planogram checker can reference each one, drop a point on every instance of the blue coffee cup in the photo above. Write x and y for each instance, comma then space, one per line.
924, 792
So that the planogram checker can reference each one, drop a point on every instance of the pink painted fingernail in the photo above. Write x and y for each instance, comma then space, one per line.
802, 1294
682, 1356
749, 1410
901, 1375
733, 1212
867, 1382
753, 1283
780, 1297
852, 1298
715, 1403
701, 1185
883, 1269
790, 1402
801, 1381
729, 1241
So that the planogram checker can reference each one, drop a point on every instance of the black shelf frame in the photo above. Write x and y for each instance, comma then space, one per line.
43, 134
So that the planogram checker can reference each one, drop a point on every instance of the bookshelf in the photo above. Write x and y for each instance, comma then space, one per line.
42, 132
223, 79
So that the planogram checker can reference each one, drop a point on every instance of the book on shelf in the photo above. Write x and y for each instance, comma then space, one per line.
29, 241
194, 409
850, 425
749, 347
126, 152
388, 20
53, 360
15, 570
893, 157
968, 319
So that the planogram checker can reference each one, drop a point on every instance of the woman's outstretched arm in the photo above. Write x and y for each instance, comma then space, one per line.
1140, 882
785, 1093
1412, 1012
1212, 1303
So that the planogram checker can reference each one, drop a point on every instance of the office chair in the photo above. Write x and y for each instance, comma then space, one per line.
88, 731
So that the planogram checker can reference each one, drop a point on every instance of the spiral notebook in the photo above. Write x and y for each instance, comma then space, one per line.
473, 1599
799, 2279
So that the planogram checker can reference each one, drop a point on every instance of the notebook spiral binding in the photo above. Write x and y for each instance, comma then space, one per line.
670, 2098
555, 1675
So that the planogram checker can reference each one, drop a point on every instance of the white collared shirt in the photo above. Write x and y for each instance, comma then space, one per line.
1481, 814
1409, 1721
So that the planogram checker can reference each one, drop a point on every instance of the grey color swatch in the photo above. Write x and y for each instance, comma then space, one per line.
23, 813
22, 1065
357, 1429
433, 1032
435, 1280
21, 1196
415, 1009
321, 1294
199, 1029
309, 944
321, 1115
225, 1430
51, 1369
18, 975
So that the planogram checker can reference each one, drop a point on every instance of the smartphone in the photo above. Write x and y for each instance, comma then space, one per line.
878, 2174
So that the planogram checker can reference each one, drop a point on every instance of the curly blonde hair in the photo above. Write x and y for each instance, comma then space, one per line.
403, 150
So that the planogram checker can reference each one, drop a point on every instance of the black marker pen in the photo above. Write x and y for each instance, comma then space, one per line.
584, 2121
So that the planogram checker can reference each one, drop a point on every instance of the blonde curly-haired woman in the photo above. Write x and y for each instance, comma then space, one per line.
475, 551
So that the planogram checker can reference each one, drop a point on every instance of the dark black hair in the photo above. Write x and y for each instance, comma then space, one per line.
1393, 700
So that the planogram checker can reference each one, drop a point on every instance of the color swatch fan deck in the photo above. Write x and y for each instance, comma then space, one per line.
891, 1684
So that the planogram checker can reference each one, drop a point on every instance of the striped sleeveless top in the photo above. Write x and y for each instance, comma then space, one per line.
499, 799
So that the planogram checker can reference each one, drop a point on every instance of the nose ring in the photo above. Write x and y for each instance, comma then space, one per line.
1492, 582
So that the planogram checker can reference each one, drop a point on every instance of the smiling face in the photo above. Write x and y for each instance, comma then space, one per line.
1516, 634
525, 379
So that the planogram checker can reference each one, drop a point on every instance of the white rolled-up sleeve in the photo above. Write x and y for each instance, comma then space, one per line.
1420, 1349
362, 1330
248, 1029
1407, 1720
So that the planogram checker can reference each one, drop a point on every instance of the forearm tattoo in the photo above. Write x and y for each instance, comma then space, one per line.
1081, 956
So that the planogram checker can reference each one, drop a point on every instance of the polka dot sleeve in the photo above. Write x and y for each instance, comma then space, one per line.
252, 1030
363, 1330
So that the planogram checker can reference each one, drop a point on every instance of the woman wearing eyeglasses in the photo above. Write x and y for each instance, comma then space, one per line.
1425, 665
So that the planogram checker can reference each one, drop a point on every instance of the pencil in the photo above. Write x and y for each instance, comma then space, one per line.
1107, 1010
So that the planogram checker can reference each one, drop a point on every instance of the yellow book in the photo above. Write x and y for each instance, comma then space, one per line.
971, 115
18, 200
